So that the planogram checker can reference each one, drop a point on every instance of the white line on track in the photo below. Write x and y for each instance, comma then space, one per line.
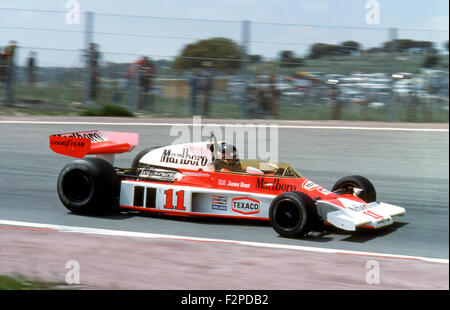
230, 125
109, 232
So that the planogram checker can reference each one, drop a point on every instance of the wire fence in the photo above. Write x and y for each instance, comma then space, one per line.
278, 70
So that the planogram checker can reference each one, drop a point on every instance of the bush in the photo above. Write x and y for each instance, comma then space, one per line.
107, 110
431, 61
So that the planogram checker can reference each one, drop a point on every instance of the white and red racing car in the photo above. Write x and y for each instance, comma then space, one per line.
185, 180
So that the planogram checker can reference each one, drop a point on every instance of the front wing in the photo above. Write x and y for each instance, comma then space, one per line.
372, 215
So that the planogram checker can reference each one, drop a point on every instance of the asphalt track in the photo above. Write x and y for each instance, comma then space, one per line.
409, 168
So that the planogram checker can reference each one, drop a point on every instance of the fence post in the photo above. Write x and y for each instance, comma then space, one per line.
246, 107
392, 109
88, 37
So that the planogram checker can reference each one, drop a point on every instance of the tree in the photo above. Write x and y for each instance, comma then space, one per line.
424, 46
320, 49
255, 58
350, 46
221, 53
288, 59
405, 45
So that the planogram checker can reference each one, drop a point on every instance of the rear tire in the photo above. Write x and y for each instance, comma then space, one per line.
348, 183
293, 214
89, 186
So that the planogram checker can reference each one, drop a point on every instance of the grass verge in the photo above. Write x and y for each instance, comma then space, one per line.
22, 283
107, 110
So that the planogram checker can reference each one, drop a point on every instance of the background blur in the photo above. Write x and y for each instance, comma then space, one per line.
348, 60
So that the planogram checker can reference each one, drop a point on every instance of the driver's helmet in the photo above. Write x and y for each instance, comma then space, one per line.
229, 154
228, 159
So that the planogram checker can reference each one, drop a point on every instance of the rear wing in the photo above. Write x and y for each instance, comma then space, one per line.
80, 144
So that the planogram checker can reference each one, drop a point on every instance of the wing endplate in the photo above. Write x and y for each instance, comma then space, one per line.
80, 144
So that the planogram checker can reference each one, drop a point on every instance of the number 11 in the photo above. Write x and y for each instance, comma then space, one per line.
180, 200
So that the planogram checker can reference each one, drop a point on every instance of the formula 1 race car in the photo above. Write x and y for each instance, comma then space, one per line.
192, 180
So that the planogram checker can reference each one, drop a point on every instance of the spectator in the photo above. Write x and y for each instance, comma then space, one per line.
2, 66
274, 94
147, 72
335, 98
93, 61
207, 80
261, 101
194, 85
131, 77
8, 72
412, 104
31, 69
139, 74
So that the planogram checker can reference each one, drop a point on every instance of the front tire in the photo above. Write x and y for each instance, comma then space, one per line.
347, 184
89, 186
292, 214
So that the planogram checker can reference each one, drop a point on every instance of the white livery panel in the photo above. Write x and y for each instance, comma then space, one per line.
193, 156
194, 200
188, 200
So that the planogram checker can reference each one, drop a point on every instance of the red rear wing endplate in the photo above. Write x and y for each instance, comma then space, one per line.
80, 144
